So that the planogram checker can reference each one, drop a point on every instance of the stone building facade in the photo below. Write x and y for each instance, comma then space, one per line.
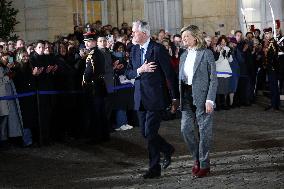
45, 19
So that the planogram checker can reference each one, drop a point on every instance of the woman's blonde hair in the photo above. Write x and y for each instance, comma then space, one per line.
196, 33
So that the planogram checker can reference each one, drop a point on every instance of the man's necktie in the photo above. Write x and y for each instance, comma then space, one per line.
141, 56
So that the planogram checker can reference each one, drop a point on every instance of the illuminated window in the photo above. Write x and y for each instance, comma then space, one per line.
258, 13
78, 12
87, 11
164, 14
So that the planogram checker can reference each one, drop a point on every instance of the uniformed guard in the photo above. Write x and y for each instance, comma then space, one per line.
94, 86
280, 42
271, 65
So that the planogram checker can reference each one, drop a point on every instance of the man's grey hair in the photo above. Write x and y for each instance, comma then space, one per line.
143, 26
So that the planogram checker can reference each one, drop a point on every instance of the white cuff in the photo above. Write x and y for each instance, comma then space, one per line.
138, 74
210, 101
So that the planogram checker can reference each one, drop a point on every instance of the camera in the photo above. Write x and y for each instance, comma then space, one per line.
10, 60
217, 33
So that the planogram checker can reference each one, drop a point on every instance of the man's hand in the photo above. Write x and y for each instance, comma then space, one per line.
175, 105
49, 68
55, 67
209, 106
11, 65
120, 66
245, 47
147, 67
37, 70
115, 64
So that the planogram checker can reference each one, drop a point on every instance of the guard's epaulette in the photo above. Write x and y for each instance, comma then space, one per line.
272, 45
89, 57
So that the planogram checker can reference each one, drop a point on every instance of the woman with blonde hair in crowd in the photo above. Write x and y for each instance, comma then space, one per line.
198, 85
24, 80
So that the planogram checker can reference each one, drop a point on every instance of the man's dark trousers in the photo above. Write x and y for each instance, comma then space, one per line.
149, 122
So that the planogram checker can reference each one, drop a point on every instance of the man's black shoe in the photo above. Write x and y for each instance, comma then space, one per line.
168, 158
152, 174
267, 108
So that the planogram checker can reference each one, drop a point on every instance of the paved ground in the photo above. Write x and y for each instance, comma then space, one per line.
248, 152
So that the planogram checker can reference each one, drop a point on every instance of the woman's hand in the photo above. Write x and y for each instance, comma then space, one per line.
55, 67
209, 107
49, 68
37, 71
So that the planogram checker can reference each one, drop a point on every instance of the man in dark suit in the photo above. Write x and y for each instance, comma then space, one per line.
151, 68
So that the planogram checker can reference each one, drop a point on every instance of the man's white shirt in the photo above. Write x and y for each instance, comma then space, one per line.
145, 47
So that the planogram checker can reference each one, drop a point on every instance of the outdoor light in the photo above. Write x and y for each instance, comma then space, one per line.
249, 9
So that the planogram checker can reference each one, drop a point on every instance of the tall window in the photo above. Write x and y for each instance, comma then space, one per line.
258, 13
164, 14
78, 13
88, 11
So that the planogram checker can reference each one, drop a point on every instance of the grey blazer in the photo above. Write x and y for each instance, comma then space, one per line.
204, 81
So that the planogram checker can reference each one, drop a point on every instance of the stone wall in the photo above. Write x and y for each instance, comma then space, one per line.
128, 11
43, 19
209, 15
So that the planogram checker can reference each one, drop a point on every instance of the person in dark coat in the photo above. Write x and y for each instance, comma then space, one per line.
43, 83
110, 98
24, 81
95, 89
271, 65
243, 89
79, 67
65, 101
150, 67
280, 42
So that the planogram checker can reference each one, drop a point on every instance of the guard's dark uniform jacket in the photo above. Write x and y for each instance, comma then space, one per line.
95, 90
271, 58
94, 73
271, 65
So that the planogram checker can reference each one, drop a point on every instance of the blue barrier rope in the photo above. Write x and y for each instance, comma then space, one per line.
58, 92
233, 74
129, 85
20, 95
17, 96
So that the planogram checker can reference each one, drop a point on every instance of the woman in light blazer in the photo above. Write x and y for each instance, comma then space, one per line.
11, 124
198, 85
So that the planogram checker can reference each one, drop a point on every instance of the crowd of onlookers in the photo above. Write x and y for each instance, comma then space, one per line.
49, 76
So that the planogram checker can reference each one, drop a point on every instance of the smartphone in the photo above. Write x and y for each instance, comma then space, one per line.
10, 60
110, 38
217, 33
